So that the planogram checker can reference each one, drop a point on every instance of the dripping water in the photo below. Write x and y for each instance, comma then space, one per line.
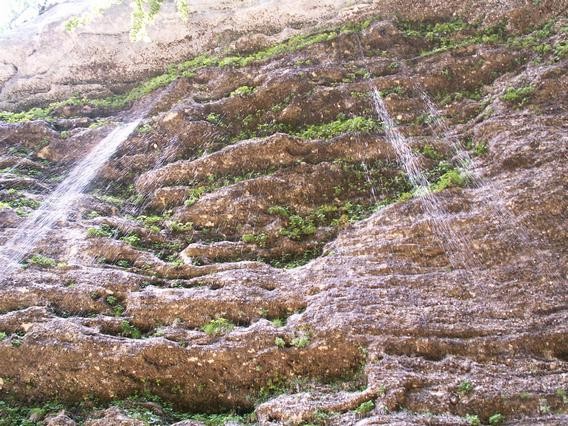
58, 204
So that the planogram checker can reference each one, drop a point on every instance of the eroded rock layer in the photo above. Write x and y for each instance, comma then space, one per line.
256, 246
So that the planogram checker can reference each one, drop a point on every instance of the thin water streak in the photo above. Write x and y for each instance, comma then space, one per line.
456, 246
58, 204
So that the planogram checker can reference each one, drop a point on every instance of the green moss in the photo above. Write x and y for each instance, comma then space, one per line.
289, 261
298, 228
11, 415
41, 261
430, 152
453, 34
259, 239
561, 50
473, 420
465, 387
496, 419
132, 239
242, 91
128, 330
30, 115
180, 227
101, 231
184, 69
518, 96
365, 407
218, 327
291, 45
340, 126
301, 341
279, 211
449, 179
278, 322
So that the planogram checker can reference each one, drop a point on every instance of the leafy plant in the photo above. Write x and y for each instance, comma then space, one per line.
278, 322
123, 263
242, 91
194, 195
496, 419
300, 341
473, 420
280, 342
180, 227
365, 407
101, 231
258, 239
41, 261
132, 239
218, 326
340, 126
214, 118
450, 179
518, 96
465, 387
128, 330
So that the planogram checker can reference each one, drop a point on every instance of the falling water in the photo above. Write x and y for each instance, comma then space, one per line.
456, 246
56, 207
507, 219
438, 125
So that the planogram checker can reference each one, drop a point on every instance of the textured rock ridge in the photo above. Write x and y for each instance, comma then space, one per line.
255, 251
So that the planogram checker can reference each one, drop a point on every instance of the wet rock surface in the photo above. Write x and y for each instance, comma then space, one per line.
255, 247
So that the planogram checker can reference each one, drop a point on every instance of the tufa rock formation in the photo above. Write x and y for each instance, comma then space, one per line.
255, 251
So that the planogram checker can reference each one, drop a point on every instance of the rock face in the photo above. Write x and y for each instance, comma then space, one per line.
255, 247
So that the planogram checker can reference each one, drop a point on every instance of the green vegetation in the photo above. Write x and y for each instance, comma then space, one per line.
340, 126
105, 231
451, 178
130, 331
478, 149
473, 420
453, 34
291, 45
496, 419
242, 91
430, 152
518, 96
21, 416
32, 114
399, 90
300, 341
365, 407
278, 322
218, 327
22, 205
465, 387
299, 227
180, 227
144, 129
132, 239
280, 342
3, 335
290, 261
144, 13
41, 261
560, 393
259, 239
194, 195
139, 407
116, 306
